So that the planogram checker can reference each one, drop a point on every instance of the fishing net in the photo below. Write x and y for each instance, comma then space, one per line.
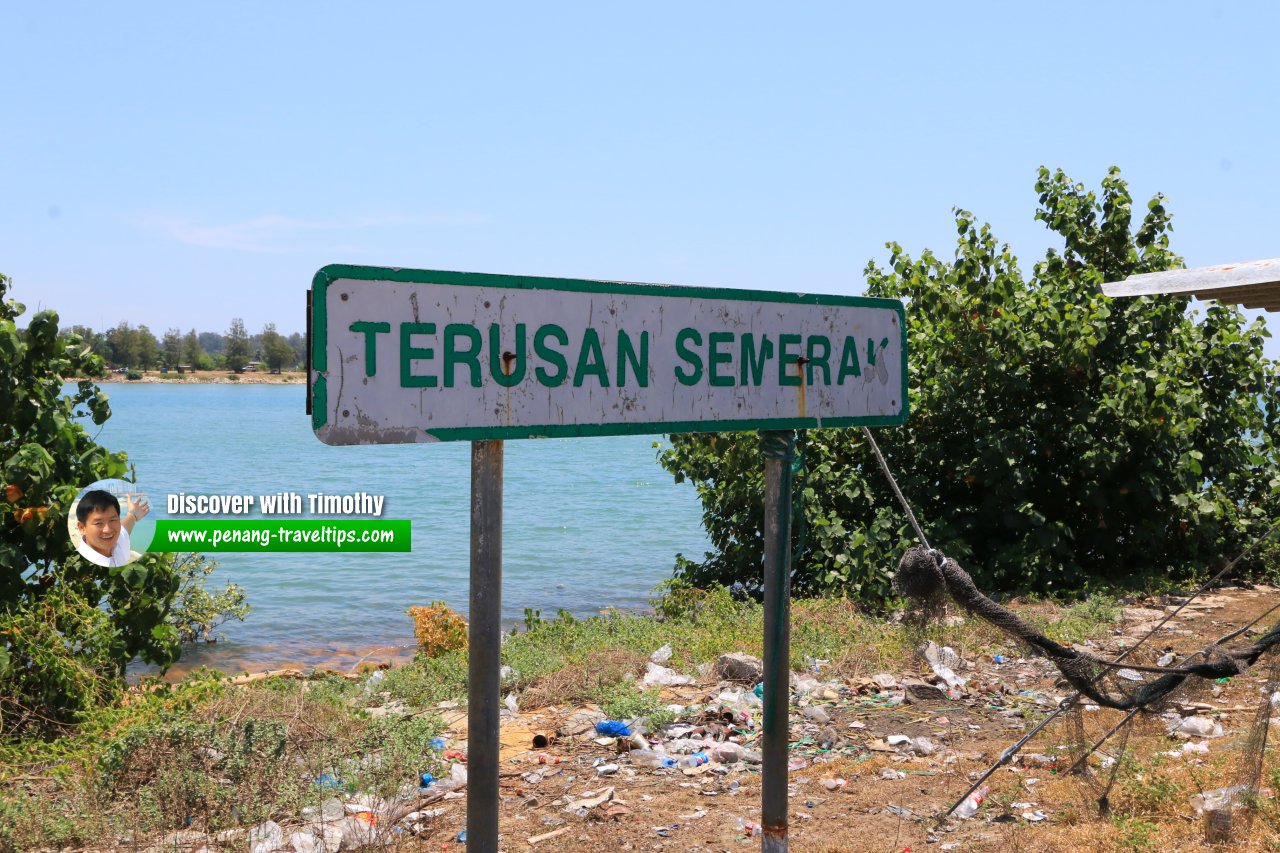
1115, 696
926, 576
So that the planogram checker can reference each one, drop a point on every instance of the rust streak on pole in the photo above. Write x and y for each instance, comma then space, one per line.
485, 647
778, 449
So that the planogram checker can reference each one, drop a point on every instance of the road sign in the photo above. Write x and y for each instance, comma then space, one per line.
403, 356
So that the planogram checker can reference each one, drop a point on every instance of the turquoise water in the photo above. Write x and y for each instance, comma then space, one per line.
588, 523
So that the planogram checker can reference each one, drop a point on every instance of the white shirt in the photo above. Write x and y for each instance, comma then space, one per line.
120, 554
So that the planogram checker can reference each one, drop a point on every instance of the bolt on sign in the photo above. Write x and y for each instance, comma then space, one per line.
401, 356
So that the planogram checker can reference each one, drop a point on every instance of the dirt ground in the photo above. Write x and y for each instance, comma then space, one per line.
893, 800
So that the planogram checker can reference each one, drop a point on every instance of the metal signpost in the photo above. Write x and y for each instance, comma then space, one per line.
402, 356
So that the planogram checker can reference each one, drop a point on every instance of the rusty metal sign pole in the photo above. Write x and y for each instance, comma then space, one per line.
485, 650
778, 449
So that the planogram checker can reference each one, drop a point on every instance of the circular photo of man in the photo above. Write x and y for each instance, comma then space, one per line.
103, 523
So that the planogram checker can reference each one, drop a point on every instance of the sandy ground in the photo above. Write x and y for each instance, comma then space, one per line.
890, 800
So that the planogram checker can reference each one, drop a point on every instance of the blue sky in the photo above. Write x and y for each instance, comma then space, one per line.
183, 164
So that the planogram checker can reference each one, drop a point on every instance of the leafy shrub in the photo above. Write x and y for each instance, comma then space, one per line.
58, 661
438, 629
1058, 439
46, 457
196, 612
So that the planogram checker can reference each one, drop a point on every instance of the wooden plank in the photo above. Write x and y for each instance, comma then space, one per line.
1243, 293
1216, 282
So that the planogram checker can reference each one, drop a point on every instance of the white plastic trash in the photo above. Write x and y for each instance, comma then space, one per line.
1196, 727
659, 676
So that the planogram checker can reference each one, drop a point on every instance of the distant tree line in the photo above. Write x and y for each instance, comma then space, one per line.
129, 347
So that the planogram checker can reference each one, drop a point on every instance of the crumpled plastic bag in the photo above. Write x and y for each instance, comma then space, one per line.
944, 661
660, 676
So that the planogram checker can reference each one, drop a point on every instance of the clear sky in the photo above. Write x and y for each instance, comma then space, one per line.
180, 164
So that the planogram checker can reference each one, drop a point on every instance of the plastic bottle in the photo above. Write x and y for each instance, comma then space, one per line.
1223, 798
972, 803
650, 758
606, 769
696, 760
749, 828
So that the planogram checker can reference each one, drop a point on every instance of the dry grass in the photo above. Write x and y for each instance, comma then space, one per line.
583, 682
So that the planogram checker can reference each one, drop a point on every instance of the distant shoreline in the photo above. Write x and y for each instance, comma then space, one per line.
210, 377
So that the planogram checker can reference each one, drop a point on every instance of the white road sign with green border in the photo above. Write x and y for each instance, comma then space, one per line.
401, 356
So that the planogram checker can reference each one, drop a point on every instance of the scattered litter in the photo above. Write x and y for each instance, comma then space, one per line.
1037, 759
917, 694
1224, 798
546, 835
944, 662
613, 728
1190, 748
650, 758
662, 655
816, 713
659, 676
1194, 726
970, 805
589, 802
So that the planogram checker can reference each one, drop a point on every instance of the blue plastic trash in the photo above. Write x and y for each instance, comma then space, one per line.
759, 690
328, 780
427, 779
437, 743
613, 728
462, 836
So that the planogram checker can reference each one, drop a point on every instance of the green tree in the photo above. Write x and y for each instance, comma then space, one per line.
171, 346
213, 343
124, 346
192, 353
276, 350
46, 457
1056, 436
237, 345
148, 348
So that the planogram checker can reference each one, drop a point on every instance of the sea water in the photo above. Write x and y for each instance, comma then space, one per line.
589, 523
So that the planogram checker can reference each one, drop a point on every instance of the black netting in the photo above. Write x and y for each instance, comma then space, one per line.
927, 576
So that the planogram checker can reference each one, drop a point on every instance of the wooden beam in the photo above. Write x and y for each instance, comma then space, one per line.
1215, 282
